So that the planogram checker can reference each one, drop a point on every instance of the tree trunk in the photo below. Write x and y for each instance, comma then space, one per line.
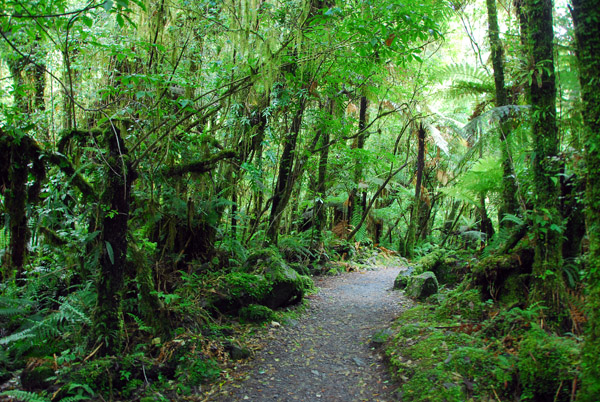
285, 179
414, 215
320, 211
548, 283
586, 18
356, 204
509, 187
107, 317
16, 198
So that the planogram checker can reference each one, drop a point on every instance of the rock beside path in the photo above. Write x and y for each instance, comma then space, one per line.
328, 354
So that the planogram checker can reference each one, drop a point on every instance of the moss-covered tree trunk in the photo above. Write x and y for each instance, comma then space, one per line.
16, 199
509, 187
548, 284
586, 17
115, 203
409, 244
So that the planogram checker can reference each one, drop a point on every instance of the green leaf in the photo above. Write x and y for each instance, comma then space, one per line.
108, 4
120, 20
111, 254
87, 21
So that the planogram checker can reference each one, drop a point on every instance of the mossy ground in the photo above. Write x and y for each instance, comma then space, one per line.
463, 349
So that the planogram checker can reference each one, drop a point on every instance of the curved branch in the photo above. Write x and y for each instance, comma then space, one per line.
202, 166
373, 199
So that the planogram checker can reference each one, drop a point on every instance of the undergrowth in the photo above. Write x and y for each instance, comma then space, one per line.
460, 348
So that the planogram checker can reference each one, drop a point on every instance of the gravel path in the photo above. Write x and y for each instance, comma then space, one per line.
327, 354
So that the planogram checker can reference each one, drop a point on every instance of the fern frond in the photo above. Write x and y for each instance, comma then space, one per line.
140, 323
460, 89
10, 307
18, 336
483, 122
70, 313
499, 239
53, 325
513, 218
464, 72
25, 396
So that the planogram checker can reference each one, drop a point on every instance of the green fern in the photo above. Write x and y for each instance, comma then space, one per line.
10, 307
53, 325
500, 238
75, 398
514, 219
466, 80
460, 89
356, 217
140, 323
465, 72
25, 396
484, 122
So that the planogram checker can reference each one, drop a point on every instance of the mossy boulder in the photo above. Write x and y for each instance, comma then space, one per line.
256, 313
287, 285
265, 279
403, 278
422, 286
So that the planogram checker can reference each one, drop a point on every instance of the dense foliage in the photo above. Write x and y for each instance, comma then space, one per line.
173, 170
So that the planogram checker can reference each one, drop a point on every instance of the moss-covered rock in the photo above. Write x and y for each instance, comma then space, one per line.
287, 285
447, 267
256, 313
266, 280
422, 286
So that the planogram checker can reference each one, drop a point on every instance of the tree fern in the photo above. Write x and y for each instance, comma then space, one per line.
465, 72
488, 119
466, 80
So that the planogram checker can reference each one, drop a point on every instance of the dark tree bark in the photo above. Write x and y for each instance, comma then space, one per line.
14, 174
358, 197
409, 244
586, 18
320, 211
16, 203
115, 202
548, 283
509, 187
285, 178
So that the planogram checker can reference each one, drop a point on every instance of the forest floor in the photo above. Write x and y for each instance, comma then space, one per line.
329, 352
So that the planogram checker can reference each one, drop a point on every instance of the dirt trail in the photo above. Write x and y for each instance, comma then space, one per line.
327, 354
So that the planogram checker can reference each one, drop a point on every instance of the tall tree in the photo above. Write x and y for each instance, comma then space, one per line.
586, 18
509, 197
415, 210
548, 284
